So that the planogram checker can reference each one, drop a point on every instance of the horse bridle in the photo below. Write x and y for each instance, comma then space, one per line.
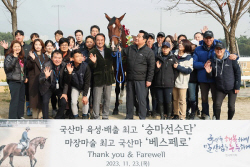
119, 38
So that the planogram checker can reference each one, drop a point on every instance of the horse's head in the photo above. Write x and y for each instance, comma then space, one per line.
42, 142
115, 31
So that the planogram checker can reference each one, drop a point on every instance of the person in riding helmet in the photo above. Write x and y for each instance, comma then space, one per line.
25, 140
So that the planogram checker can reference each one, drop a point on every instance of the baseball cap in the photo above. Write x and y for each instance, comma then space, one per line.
208, 34
166, 44
151, 35
220, 45
161, 34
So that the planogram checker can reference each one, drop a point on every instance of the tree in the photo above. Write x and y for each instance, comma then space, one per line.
12, 8
226, 12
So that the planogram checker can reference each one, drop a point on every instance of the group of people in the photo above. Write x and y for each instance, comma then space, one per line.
173, 69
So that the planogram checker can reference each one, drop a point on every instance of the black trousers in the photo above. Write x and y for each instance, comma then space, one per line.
62, 103
231, 103
136, 90
54, 101
17, 92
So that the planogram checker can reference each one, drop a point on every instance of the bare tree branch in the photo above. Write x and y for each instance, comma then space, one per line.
247, 10
211, 13
172, 7
14, 4
9, 3
239, 15
6, 17
235, 9
230, 9
210, 8
7, 6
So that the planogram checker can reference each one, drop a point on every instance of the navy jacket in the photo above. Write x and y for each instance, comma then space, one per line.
80, 77
226, 72
200, 57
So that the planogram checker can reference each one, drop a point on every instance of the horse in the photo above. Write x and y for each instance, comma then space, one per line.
117, 37
11, 150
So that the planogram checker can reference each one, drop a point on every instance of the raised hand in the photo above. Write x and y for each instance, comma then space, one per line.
175, 37
47, 72
76, 47
32, 55
158, 64
70, 68
205, 28
4, 44
92, 57
208, 63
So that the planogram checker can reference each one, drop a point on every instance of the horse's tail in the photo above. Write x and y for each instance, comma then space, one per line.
1, 148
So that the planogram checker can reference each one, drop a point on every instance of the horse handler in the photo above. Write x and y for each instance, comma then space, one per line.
140, 71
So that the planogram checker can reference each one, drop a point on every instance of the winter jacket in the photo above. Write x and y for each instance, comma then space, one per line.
86, 54
46, 83
165, 75
226, 72
156, 49
103, 73
185, 67
200, 56
140, 63
80, 77
81, 46
12, 68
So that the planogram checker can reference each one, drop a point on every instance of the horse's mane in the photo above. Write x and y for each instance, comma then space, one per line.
112, 21
35, 138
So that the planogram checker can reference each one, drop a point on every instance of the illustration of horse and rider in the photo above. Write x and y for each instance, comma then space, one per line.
26, 147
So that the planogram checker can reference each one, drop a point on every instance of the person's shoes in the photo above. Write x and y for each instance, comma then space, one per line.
137, 113
105, 118
168, 118
207, 117
66, 115
182, 119
115, 111
148, 113
54, 113
214, 118
187, 116
176, 117
22, 118
71, 116
191, 116
85, 116
153, 114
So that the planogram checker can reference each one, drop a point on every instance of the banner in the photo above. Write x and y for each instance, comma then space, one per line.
98, 143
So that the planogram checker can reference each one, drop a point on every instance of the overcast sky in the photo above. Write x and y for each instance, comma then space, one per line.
39, 16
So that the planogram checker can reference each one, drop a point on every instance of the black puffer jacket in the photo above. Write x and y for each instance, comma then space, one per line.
12, 68
140, 63
226, 72
165, 75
